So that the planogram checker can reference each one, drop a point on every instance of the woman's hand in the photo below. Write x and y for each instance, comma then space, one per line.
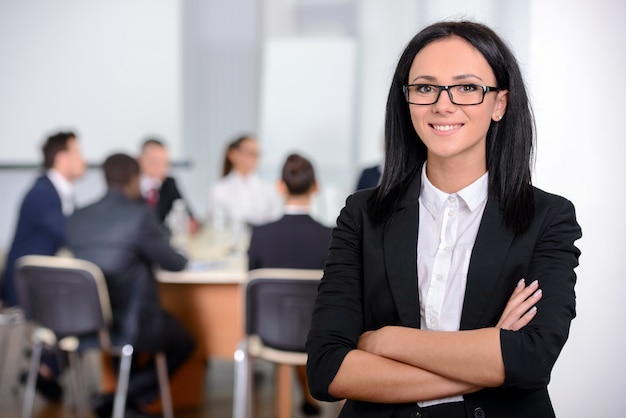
520, 309
373, 341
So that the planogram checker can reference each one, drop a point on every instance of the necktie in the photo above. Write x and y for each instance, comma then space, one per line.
152, 197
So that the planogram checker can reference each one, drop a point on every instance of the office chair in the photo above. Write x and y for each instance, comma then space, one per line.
10, 318
68, 301
278, 306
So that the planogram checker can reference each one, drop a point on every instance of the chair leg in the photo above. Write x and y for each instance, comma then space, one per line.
164, 386
76, 380
242, 399
284, 384
119, 403
9, 319
31, 381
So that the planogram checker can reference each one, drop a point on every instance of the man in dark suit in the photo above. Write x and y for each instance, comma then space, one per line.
41, 228
157, 188
121, 235
294, 241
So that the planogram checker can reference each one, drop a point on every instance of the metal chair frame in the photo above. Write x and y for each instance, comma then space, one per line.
10, 318
279, 343
31, 272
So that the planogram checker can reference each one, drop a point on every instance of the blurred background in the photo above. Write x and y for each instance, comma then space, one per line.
312, 76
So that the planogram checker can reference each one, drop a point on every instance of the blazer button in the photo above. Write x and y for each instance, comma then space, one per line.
479, 413
416, 415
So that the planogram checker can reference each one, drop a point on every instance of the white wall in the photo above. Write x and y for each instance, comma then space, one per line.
578, 60
109, 70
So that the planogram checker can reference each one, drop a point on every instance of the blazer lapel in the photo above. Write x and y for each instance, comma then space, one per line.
400, 249
492, 243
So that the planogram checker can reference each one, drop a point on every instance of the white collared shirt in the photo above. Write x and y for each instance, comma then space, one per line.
448, 225
244, 198
148, 183
296, 210
64, 188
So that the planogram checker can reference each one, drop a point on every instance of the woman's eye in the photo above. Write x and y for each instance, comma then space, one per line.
468, 88
425, 88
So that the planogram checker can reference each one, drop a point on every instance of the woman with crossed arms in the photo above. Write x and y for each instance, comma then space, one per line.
449, 288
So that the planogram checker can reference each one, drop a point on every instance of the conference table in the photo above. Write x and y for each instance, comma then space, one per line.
207, 297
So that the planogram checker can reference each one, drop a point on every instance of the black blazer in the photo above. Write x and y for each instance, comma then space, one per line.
294, 241
123, 238
370, 281
168, 193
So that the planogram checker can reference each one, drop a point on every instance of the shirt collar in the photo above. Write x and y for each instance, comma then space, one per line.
473, 195
296, 210
64, 188
62, 185
148, 183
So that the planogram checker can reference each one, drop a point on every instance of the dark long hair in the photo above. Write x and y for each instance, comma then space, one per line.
510, 142
227, 165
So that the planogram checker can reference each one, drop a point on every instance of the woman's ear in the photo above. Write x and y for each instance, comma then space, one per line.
502, 100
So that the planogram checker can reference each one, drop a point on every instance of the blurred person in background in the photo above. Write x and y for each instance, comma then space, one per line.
159, 190
41, 230
122, 236
240, 195
294, 241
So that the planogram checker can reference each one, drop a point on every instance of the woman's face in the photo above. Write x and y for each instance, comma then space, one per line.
246, 157
454, 133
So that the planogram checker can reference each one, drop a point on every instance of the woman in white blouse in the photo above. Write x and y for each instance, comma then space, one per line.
240, 196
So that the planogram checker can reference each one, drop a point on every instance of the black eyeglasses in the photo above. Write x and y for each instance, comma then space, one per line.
459, 94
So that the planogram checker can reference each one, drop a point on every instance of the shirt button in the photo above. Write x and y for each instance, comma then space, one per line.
451, 213
452, 199
439, 277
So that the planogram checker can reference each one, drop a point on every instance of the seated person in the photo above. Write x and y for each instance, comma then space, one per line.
41, 230
294, 241
157, 188
240, 195
121, 235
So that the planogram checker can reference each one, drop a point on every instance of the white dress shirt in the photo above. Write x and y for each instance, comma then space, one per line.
146, 184
237, 198
448, 225
64, 188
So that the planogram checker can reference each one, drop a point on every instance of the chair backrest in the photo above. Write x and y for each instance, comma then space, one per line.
66, 295
279, 305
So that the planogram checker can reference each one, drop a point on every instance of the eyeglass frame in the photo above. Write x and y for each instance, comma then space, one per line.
485, 89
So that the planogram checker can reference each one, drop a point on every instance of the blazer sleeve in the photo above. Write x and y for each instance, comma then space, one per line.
43, 208
153, 244
169, 193
530, 353
337, 320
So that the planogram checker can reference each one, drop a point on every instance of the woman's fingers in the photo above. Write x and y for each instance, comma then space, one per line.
516, 313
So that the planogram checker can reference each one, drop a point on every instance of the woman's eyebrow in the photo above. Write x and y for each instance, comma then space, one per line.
466, 76
432, 79
429, 78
